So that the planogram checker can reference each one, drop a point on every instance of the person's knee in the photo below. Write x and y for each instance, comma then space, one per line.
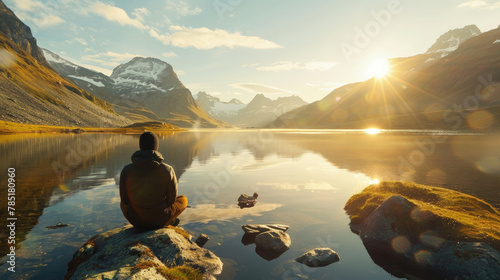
182, 200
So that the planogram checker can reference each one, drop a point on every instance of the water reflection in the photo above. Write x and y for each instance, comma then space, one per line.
303, 180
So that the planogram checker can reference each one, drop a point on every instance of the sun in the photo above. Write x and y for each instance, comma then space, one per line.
379, 68
372, 131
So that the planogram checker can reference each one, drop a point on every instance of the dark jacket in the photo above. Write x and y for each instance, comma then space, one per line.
148, 187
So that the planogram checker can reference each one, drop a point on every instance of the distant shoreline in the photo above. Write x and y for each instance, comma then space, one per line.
14, 128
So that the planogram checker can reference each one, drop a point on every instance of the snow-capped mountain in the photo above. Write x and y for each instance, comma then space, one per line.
142, 75
142, 89
85, 78
225, 111
449, 41
259, 112
262, 110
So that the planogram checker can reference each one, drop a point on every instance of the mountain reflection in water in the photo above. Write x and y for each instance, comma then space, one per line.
303, 180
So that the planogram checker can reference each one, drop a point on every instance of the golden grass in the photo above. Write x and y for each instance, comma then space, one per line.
180, 231
12, 127
41, 81
460, 217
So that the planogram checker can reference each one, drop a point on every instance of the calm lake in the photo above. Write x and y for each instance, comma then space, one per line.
303, 178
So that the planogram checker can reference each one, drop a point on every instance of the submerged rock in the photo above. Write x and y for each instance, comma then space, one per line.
58, 225
125, 253
319, 257
256, 229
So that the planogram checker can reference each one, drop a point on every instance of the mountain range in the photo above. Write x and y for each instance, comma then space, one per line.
454, 85
260, 111
143, 89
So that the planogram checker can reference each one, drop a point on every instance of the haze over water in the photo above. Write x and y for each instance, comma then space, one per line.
303, 178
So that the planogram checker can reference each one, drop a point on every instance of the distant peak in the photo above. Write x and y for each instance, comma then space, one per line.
450, 40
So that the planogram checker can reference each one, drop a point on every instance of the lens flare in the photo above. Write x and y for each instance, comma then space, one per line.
372, 131
400, 244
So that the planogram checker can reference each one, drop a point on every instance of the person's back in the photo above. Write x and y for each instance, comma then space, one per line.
148, 188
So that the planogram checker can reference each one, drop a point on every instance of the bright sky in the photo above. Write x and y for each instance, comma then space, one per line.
237, 48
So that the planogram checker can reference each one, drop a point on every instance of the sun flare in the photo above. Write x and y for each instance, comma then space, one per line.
379, 68
372, 131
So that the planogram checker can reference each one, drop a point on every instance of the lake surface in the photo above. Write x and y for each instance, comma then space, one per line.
303, 179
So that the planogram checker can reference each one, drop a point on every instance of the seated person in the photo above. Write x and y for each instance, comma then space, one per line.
148, 188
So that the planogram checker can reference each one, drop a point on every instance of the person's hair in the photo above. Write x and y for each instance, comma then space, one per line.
148, 141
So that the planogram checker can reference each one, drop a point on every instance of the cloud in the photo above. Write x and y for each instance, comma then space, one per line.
140, 13
77, 40
289, 65
29, 5
115, 14
480, 4
182, 8
259, 88
46, 21
204, 213
204, 39
180, 72
169, 54
320, 186
110, 58
38, 13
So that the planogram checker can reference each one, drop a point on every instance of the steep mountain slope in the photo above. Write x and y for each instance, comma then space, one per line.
32, 92
16, 31
143, 89
85, 78
458, 91
154, 84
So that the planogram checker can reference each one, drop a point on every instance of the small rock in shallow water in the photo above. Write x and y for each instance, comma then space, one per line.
202, 240
273, 240
58, 225
319, 257
255, 229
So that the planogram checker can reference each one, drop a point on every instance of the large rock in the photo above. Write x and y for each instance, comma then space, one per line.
124, 253
256, 229
274, 240
319, 257
401, 238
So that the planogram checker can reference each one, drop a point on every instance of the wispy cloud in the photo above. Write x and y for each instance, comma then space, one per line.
140, 13
182, 8
260, 88
204, 39
110, 58
77, 40
480, 4
169, 54
289, 65
116, 14
37, 12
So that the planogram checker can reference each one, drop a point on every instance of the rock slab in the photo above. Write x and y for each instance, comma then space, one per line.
256, 229
124, 253
319, 257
